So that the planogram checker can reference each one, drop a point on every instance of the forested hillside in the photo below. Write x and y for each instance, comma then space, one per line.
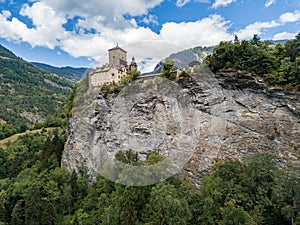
276, 64
69, 72
27, 94
34, 189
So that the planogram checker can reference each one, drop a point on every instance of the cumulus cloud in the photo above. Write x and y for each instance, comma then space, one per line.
47, 30
109, 8
106, 20
42, 15
284, 35
174, 37
48, 19
290, 17
158, 46
207, 31
156, 51
219, 3
95, 46
256, 28
111, 11
11, 28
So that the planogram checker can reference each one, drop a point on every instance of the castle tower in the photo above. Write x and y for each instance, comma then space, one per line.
133, 65
117, 57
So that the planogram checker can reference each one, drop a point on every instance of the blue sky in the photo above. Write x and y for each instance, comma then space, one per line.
79, 32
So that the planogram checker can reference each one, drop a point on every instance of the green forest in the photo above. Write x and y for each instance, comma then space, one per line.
277, 64
35, 189
25, 88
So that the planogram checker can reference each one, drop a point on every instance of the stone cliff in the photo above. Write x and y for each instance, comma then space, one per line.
194, 122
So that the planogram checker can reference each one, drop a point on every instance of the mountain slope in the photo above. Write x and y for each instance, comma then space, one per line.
27, 94
68, 72
183, 58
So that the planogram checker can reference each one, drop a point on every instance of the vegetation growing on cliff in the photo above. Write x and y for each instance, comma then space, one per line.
116, 87
167, 69
277, 64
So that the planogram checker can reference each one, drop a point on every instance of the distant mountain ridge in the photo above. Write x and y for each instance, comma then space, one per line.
67, 71
183, 58
282, 42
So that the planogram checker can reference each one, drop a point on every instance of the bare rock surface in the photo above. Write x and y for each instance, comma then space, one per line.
194, 122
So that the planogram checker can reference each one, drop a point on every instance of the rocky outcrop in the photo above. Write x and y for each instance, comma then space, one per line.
32, 117
194, 122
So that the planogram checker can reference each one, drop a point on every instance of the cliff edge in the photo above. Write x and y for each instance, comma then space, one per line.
194, 122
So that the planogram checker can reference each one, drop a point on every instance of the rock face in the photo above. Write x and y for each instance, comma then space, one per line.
194, 122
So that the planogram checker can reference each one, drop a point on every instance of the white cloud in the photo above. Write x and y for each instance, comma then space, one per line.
269, 3
42, 15
207, 31
47, 28
290, 17
255, 28
107, 19
156, 51
11, 29
284, 35
6, 14
181, 3
96, 46
112, 11
150, 19
219, 3
48, 20
173, 37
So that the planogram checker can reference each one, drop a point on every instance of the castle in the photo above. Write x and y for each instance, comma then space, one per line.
114, 70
